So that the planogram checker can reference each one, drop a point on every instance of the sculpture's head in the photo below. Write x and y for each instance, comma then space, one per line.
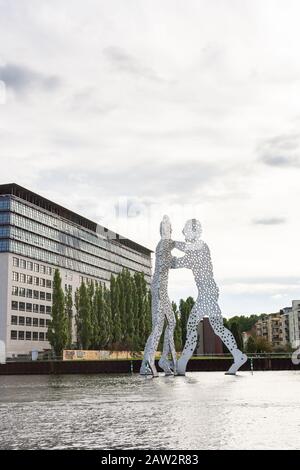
165, 228
192, 230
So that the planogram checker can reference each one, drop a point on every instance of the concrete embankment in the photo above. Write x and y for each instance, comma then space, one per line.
128, 366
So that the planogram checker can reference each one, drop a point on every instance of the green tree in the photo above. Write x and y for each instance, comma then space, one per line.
148, 314
135, 340
90, 288
83, 317
251, 345
263, 345
58, 326
69, 314
95, 326
177, 332
245, 323
120, 281
102, 322
185, 307
141, 292
162, 337
108, 317
115, 311
129, 312
235, 330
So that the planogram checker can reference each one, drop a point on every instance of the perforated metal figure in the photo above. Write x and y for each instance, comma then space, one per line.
197, 258
161, 307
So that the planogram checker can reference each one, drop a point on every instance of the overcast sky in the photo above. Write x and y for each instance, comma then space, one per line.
126, 110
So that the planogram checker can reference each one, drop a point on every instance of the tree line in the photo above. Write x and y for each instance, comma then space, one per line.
117, 318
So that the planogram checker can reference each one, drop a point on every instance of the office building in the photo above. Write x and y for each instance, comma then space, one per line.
37, 236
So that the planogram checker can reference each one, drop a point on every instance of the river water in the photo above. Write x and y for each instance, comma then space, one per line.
204, 410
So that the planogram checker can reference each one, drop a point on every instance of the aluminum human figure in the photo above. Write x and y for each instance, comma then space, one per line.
161, 307
197, 258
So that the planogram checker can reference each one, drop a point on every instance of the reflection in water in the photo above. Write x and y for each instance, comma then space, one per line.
200, 411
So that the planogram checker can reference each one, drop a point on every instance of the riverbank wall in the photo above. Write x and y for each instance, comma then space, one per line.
133, 366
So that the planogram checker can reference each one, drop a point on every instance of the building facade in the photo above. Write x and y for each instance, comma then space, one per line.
36, 237
273, 328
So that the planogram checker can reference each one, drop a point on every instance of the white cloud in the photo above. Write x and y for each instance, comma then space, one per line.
190, 108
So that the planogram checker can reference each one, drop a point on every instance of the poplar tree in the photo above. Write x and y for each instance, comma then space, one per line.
108, 316
141, 312
130, 318
148, 314
101, 320
115, 310
83, 318
58, 326
177, 332
235, 330
251, 346
120, 281
135, 317
69, 314
185, 307
91, 292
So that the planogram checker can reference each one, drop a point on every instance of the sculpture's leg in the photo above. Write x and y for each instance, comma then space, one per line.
151, 347
191, 339
148, 364
172, 346
216, 321
169, 346
145, 370
145, 366
164, 362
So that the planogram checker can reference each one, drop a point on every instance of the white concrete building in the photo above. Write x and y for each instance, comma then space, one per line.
37, 236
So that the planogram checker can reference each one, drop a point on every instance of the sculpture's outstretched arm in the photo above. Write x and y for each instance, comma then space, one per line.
180, 246
182, 262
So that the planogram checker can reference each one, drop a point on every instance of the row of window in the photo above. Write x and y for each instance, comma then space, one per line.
51, 258
60, 225
28, 321
28, 335
28, 279
82, 251
102, 249
37, 268
88, 280
28, 307
31, 294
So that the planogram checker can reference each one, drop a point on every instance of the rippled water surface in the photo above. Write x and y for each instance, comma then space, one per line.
205, 410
